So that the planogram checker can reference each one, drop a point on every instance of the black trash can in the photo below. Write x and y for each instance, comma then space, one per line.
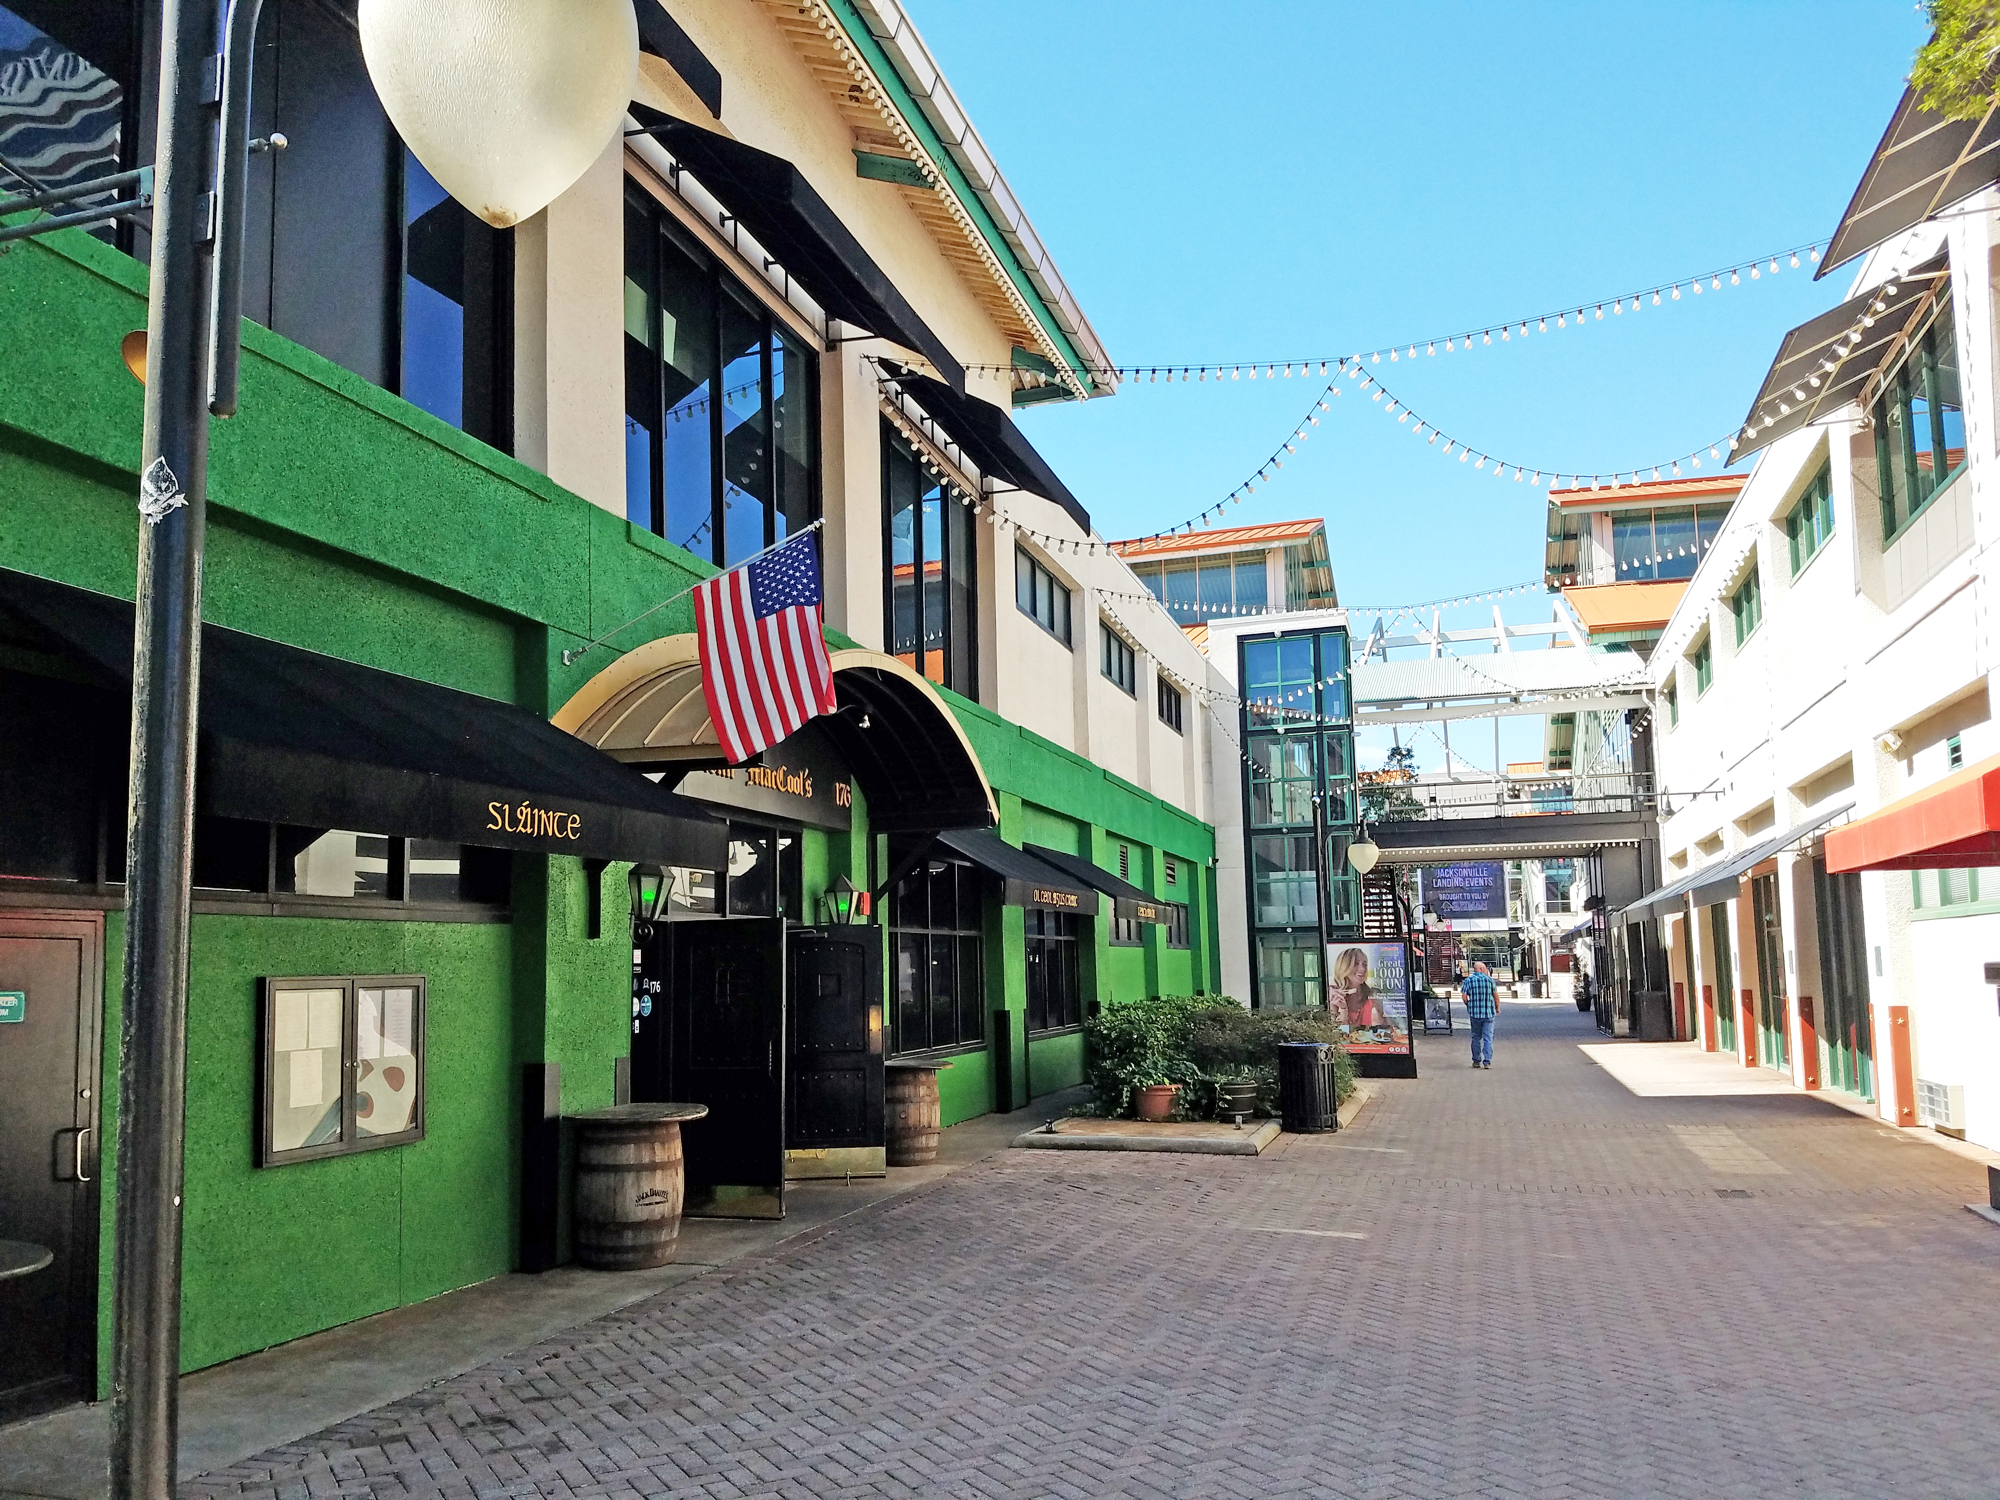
1306, 1103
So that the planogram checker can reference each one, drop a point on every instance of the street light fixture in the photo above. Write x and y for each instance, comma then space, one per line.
1363, 852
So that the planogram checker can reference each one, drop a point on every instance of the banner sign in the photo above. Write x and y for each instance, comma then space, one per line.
1369, 995
1462, 892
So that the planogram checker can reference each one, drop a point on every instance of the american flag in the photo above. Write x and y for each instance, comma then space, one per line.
764, 667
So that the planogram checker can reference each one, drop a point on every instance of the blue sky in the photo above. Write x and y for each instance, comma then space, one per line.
1268, 180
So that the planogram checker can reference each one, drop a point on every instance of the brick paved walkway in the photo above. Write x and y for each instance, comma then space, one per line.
1526, 1282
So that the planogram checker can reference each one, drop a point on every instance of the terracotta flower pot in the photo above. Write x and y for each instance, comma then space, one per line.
1156, 1100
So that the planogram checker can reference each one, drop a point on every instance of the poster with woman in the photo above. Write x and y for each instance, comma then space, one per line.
1369, 995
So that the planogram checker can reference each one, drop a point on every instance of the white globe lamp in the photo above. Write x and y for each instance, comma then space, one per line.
505, 102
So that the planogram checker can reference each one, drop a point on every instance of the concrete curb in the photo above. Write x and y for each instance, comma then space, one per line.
1248, 1144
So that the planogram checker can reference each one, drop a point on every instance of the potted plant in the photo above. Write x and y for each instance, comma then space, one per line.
1236, 1096
1154, 1101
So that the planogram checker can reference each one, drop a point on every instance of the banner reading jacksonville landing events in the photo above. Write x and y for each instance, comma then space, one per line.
1369, 995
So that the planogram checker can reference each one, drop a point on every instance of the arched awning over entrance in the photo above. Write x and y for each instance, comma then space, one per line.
912, 760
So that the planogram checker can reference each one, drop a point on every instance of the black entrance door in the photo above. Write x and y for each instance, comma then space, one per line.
835, 1071
50, 984
725, 1006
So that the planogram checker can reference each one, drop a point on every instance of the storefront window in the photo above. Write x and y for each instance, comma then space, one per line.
933, 568
1055, 971
936, 917
341, 1066
721, 455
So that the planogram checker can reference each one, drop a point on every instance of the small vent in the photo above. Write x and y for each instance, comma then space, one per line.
1124, 861
1941, 1105
1173, 872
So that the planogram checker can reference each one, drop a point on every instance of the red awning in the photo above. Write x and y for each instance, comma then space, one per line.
1948, 825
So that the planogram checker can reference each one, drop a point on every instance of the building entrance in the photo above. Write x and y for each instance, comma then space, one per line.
1773, 1004
1725, 977
51, 984
1843, 969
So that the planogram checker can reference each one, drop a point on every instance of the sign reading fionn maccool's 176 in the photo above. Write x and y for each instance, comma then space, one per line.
800, 780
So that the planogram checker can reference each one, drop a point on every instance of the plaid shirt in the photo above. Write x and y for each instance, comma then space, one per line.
1481, 1002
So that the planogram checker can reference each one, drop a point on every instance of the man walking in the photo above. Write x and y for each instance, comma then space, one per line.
1482, 1008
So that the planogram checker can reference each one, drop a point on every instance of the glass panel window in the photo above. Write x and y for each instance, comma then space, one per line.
721, 445
1673, 697
334, 863
1675, 541
1288, 971
936, 914
1278, 681
1702, 659
1055, 971
1180, 594
1632, 544
1283, 775
341, 1066
1119, 662
458, 295
1920, 422
1746, 605
1810, 522
1253, 584
1040, 596
932, 569
753, 874
1170, 704
1213, 591
1284, 880
1177, 925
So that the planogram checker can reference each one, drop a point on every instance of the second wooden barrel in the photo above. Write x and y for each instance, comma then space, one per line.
629, 1186
912, 1118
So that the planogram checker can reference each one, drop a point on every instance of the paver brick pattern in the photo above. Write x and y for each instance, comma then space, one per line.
1522, 1282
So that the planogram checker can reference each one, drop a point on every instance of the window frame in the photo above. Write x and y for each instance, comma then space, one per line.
1176, 924
350, 1144
897, 449
1811, 518
1672, 693
1170, 704
1117, 660
1066, 944
725, 289
1746, 603
1701, 657
970, 888
1039, 581
1920, 356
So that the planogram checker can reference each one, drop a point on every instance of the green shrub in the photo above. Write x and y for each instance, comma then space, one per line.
1199, 1041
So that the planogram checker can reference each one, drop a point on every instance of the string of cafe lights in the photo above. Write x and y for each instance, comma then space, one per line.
1509, 329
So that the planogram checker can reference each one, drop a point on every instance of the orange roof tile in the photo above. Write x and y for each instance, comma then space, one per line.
1684, 488
1625, 606
1269, 535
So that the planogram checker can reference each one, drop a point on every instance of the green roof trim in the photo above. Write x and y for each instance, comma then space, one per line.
877, 167
864, 42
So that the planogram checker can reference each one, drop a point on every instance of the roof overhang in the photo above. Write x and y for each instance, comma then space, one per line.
1829, 361
788, 218
913, 761
989, 437
1949, 825
1923, 164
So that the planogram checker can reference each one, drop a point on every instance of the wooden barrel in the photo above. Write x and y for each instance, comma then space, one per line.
629, 1185
912, 1117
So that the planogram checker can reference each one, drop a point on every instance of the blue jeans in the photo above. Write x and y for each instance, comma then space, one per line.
1482, 1038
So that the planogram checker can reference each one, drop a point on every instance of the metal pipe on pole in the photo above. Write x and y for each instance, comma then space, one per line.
166, 666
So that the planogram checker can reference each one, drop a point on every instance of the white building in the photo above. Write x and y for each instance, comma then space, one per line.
1825, 728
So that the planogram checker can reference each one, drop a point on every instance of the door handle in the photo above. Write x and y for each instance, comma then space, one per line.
79, 1155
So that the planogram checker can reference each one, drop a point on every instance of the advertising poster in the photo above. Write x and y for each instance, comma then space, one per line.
1369, 994
1467, 892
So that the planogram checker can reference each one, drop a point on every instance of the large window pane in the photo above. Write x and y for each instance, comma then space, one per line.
686, 348
333, 863
794, 428
905, 596
1214, 586
1674, 532
1632, 544
1183, 603
1288, 970
1253, 584
753, 875
912, 992
931, 522
433, 295
962, 538
1282, 774
1278, 680
746, 435
61, 112
1284, 882
385, 1069
307, 1029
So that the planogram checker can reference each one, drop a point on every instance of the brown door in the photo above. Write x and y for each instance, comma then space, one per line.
51, 986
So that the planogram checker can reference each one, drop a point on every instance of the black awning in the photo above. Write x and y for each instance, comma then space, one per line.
1127, 900
795, 224
1026, 880
917, 773
291, 736
1801, 389
1923, 164
990, 438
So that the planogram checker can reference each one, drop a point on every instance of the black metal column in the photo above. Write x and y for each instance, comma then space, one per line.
166, 661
